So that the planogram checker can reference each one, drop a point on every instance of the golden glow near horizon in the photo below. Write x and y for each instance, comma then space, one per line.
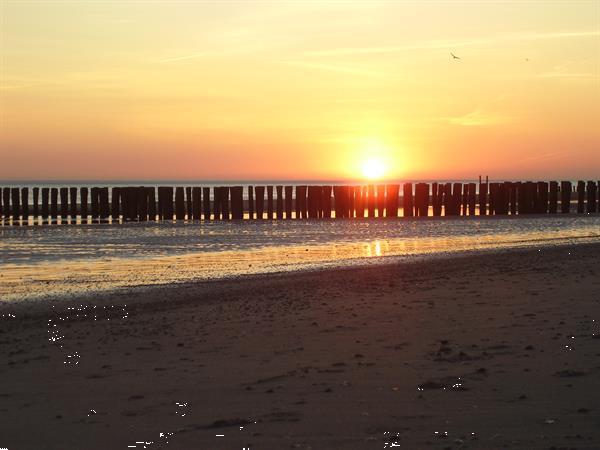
299, 90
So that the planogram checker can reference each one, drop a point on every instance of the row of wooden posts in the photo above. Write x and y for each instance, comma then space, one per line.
299, 202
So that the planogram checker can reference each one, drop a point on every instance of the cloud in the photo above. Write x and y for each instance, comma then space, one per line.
476, 118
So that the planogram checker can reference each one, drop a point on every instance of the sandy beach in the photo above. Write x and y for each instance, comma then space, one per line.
496, 350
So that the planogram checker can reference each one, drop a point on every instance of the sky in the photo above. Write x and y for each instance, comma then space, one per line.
299, 90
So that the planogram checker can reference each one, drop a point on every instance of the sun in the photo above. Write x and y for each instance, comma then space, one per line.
373, 168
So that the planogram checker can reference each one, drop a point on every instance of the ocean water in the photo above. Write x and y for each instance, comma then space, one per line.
54, 261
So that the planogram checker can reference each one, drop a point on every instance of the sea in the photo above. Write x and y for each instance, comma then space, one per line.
59, 261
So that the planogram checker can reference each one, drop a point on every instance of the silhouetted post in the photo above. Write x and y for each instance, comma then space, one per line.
5, 202
326, 204
54, 203
16, 204
370, 200
279, 202
592, 189
270, 202
407, 199
313, 204
472, 200
225, 203
1, 205
179, 203
129, 202
493, 196
542, 197
513, 198
45, 211
379, 200
436, 200
103, 204
422, 199
391, 207
196, 203
73, 203
301, 202
64, 202
289, 192
188, 202
83, 195
141, 196
337, 194
168, 202
580, 197
217, 203
36, 196
250, 202
151, 198
161, 203
237, 202
565, 197
553, 201
353, 194
94, 203
115, 204
206, 202
483, 192
260, 201
25, 204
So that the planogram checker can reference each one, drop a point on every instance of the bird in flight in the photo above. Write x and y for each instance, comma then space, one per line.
454, 56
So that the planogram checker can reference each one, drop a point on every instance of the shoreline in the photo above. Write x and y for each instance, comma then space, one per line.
190, 260
477, 351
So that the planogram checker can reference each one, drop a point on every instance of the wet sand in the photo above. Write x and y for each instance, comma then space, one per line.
480, 351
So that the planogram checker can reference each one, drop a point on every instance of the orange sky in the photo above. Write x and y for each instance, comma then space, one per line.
299, 90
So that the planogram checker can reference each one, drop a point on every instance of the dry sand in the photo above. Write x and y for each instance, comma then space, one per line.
483, 351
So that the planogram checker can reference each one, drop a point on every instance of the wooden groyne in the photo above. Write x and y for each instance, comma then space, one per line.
165, 203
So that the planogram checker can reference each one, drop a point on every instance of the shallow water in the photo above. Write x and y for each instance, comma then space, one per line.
38, 261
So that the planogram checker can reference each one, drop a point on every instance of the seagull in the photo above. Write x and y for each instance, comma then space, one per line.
454, 56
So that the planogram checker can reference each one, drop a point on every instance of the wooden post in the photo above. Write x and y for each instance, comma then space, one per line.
54, 203
270, 209
103, 209
553, 200
6, 202
260, 201
45, 202
225, 208
151, 198
301, 205
36, 196
289, 190
339, 202
380, 200
216, 203
391, 207
436, 199
407, 200
94, 203
179, 203
472, 201
237, 202
141, 195
483, 193
189, 202
83, 194
73, 203
370, 200
250, 202
206, 203
312, 202
326, 203
580, 197
25, 204
592, 189
279, 205
422, 199
196, 203
16, 204
542, 197
513, 198
64, 202
565, 197
115, 204
168, 200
